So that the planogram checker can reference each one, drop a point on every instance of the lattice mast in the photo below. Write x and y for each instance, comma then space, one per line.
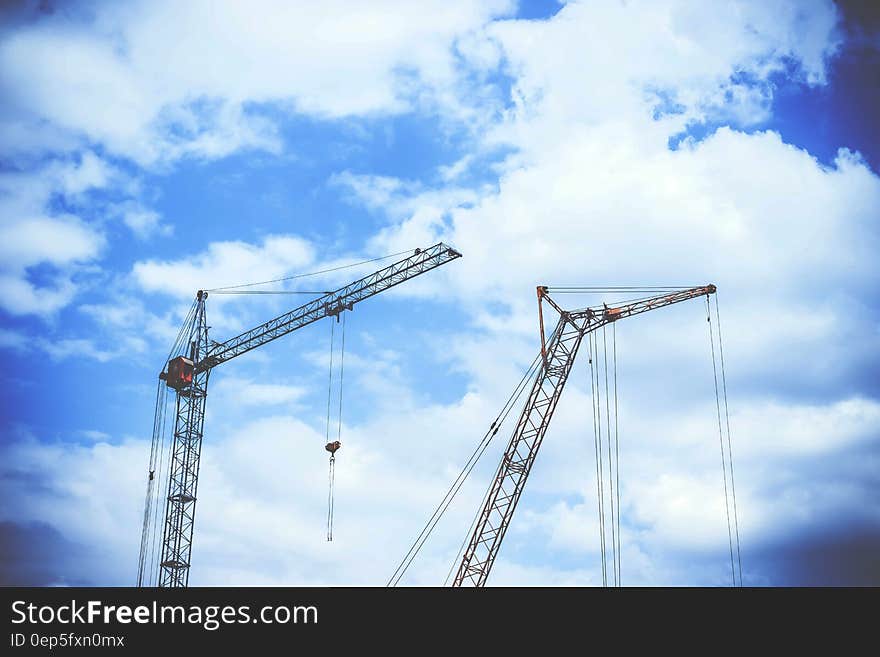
557, 356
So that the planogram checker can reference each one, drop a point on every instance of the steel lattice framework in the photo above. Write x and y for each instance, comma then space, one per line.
186, 450
331, 304
180, 507
558, 356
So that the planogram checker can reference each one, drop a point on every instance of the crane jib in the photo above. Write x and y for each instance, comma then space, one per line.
344, 298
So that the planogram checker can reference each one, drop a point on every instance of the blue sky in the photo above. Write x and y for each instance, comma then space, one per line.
149, 150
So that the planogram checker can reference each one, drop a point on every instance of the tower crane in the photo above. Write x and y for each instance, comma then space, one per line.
556, 361
187, 374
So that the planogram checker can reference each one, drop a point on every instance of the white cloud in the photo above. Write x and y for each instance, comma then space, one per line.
590, 194
157, 81
225, 263
30, 237
145, 223
33, 232
79, 348
246, 392
593, 195
56, 240
95, 435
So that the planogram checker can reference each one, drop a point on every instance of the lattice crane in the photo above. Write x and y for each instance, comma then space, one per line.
188, 376
557, 358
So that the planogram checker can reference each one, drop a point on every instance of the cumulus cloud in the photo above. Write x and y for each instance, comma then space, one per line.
144, 223
223, 264
590, 192
147, 81
593, 194
47, 222
31, 235
155, 83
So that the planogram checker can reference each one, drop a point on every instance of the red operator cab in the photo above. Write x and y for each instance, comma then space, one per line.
180, 373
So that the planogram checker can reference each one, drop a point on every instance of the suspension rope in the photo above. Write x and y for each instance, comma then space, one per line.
721, 441
616, 450
314, 273
459, 481
330, 499
729, 448
327, 435
462, 477
470, 531
183, 333
341, 378
608, 440
161, 493
330, 378
148, 500
331, 491
597, 440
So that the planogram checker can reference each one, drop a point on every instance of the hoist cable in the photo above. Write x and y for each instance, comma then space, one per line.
721, 440
314, 273
148, 499
616, 450
341, 378
162, 501
181, 334
470, 531
608, 440
327, 432
330, 494
457, 484
600, 489
462, 477
729, 448
485, 495
159, 424
330, 377
330, 499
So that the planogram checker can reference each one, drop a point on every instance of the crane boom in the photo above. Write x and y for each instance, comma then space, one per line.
330, 304
558, 358
188, 375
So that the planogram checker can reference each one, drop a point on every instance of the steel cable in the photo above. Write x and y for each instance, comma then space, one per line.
616, 451
729, 448
314, 273
721, 440
597, 440
330, 379
330, 499
457, 484
608, 440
